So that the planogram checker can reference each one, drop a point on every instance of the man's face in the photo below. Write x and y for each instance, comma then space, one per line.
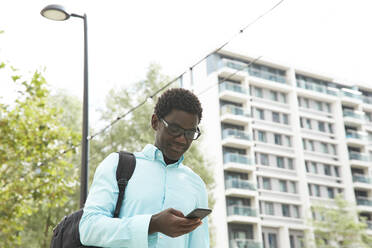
173, 147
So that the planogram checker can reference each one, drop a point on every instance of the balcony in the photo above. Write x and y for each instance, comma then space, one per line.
355, 95
267, 75
237, 162
234, 133
367, 99
358, 156
239, 184
317, 87
363, 201
362, 178
234, 114
369, 224
244, 243
234, 87
233, 92
352, 114
241, 210
350, 134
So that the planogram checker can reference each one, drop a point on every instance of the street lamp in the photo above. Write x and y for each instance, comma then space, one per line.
57, 12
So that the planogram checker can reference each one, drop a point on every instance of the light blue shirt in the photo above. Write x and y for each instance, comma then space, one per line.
154, 186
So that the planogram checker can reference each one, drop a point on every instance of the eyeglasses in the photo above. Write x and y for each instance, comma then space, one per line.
175, 130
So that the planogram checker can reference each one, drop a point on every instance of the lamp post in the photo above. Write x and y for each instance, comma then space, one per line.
58, 13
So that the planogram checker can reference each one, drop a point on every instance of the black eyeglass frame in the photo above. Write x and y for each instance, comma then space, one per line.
183, 131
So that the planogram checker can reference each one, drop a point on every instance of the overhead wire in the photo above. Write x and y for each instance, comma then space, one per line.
103, 130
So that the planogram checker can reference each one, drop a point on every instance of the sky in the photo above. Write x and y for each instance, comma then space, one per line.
330, 37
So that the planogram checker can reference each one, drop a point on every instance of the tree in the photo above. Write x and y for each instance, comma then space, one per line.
338, 226
34, 177
134, 131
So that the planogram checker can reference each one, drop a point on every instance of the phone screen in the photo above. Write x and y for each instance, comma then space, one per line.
199, 213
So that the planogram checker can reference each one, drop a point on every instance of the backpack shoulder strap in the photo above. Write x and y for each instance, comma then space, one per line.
126, 166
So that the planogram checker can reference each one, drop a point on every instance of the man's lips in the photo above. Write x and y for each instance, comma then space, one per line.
177, 148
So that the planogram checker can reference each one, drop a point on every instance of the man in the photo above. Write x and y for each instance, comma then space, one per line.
160, 192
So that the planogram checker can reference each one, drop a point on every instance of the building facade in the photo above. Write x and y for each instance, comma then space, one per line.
282, 140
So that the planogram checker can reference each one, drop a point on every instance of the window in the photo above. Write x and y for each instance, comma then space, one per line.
307, 105
319, 105
283, 186
261, 136
264, 159
285, 119
331, 193
301, 122
333, 148
328, 106
321, 126
260, 114
314, 168
293, 188
258, 92
272, 240
304, 144
324, 147
280, 162
296, 211
291, 241
311, 143
308, 123
283, 97
327, 169
285, 210
288, 139
310, 188
307, 166
317, 190
290, 163
274, 95
266, 183
330, 128
278, 139
276, 117
269, 208
337, 171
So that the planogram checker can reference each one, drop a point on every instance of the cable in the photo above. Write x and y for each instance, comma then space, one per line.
172, 81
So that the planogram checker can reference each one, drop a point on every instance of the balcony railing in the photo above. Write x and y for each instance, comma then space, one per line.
351, 95
317, 87
239, 184
232, 87
369, 224
234, 133
358, 156
266, 75
236, 158
355, 135
367, 99
364, 201
231, 109
244, 243
241, 210
353, 114
361, 178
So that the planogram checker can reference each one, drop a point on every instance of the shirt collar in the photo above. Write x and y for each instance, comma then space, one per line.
153, 153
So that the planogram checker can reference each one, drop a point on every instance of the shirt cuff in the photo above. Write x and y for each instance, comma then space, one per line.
140, 231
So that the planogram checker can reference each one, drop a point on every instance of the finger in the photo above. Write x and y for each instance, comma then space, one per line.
176, 212
189, 223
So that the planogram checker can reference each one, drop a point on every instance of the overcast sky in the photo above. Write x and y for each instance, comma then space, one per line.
332, 37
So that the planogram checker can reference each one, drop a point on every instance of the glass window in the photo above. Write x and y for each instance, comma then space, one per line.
272, 240
307, 105
330, 128
311, 143
317, 190
319, 105
264, 159
324, 147
288, 139
327, 169
285, 210
280, 162
261, 114
308, 123
276, 117
307, 166
310, 188
283, 186
283, 97
274, 95
285, 119
304, 144
293, 188
261, 136
278, 139
258, 92
333, 148
331, 193
296, 211
291, 241
266, 183
301, 122
269, 208
337, 171
290, 163
314, 168
328, 106
321, 126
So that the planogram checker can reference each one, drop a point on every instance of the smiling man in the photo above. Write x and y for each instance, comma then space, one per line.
161, 192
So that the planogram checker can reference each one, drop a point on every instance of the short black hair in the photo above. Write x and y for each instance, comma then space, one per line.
180, 99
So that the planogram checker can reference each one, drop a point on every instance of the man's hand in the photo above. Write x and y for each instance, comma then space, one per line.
172, 223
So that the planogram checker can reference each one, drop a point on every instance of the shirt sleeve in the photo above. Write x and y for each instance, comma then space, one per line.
200, 236
97, 226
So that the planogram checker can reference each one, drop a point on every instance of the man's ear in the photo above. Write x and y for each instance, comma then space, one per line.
154, 122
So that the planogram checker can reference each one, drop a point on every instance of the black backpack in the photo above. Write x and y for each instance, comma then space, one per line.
66, 233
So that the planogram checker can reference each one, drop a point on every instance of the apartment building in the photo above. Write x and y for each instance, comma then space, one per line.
282, 140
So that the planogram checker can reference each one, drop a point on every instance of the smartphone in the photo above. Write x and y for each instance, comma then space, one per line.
199, 213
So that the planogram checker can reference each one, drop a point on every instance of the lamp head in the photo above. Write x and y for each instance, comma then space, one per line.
55, 12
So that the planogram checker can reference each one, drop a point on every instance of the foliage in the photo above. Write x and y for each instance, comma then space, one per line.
134, 132
338, 227
34, 178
